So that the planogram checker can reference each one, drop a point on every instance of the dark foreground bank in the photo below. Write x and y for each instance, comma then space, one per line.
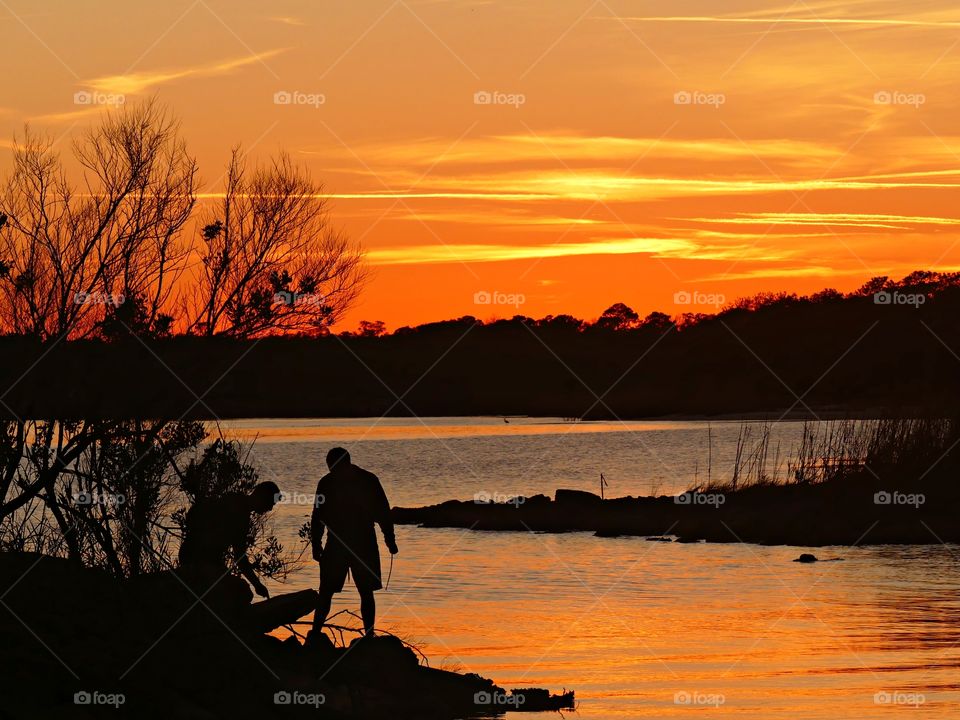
77, 643
849, 513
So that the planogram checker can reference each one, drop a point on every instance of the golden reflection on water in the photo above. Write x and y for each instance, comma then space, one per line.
422, 428
639, 628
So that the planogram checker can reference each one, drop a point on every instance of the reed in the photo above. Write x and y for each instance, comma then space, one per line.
914, 452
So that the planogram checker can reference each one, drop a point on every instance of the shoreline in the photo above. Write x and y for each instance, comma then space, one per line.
806, 515
189, 648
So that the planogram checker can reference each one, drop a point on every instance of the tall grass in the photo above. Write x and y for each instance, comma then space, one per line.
921, 452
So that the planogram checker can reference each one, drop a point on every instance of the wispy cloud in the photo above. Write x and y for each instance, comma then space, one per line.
287, 20
613, 187
676, 248
144, 81
549, 148
796, 271
854, 220
812, 21
505, 219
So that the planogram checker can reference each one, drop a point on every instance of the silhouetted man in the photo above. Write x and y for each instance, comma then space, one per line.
349, 501
216, 526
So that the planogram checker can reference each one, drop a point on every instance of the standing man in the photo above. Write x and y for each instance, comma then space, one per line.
349, 501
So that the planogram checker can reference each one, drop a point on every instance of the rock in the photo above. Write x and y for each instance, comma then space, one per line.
806, 558
579, 498
196, 664
369, 653
281, 610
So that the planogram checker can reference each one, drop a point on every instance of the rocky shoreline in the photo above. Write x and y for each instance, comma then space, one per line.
79, 643
849, 513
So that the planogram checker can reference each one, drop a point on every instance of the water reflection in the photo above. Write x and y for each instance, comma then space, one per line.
647, 629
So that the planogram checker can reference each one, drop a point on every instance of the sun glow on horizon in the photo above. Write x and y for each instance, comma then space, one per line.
618, 155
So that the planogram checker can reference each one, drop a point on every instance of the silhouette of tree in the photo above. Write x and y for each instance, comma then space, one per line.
560, 322
827, 295
75, 252
270, 259
657, 321
372, 328
617, 317
873, 286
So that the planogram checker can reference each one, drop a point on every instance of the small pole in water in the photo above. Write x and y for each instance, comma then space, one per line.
709, 454
603, 482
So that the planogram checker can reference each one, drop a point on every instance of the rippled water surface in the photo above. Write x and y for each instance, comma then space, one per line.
637, 628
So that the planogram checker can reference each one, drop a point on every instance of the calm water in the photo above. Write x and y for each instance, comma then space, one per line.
640, 629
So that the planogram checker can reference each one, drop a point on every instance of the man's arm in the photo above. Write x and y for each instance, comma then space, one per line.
243, 564
317, 524
246, 569
382, 515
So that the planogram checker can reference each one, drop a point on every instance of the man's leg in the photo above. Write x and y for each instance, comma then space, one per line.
368, 611
323, 609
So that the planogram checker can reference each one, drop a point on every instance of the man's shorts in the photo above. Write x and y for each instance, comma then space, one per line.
362, 561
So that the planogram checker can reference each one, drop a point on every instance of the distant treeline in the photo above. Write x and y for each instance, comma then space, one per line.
891, 345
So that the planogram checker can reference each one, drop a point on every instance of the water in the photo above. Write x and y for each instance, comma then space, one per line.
639, 629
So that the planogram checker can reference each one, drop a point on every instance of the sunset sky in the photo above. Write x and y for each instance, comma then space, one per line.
629, 151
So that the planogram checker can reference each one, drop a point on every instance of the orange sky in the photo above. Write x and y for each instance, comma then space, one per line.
635, 150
